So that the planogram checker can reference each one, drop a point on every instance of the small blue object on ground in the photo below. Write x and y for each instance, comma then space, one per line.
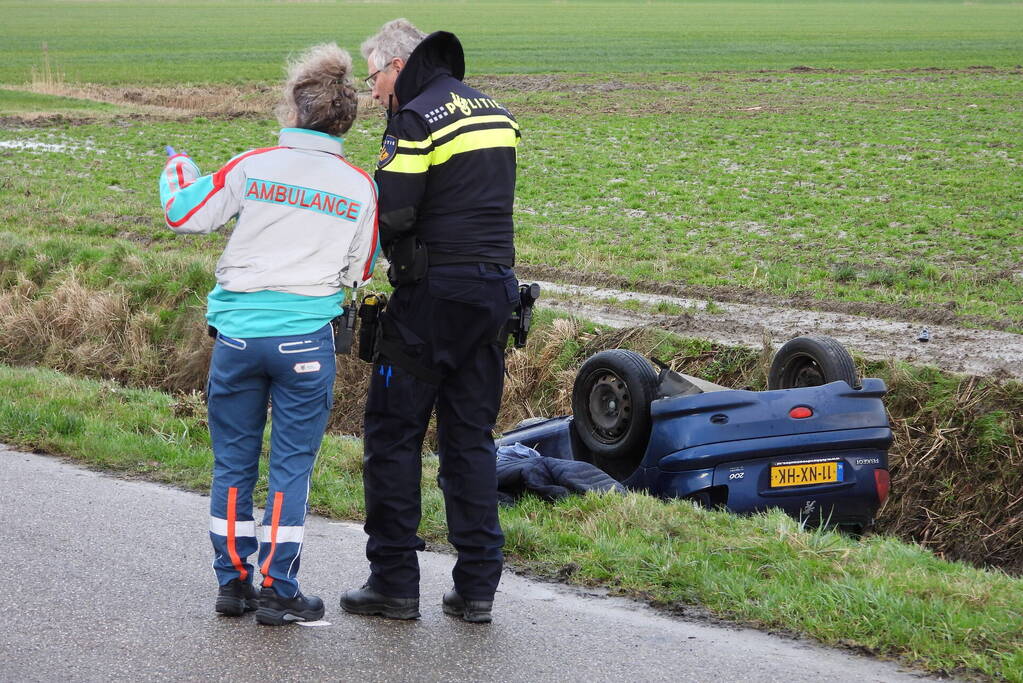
516, 451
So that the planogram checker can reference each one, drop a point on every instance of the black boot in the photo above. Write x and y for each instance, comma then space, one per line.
476, 611
275, 610
236, 597
367, 601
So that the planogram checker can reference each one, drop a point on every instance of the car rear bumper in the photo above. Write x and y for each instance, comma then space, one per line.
744, 486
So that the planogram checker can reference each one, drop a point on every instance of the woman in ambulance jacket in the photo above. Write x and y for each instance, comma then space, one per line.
307, 229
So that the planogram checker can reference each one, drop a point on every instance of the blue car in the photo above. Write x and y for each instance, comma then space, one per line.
815, 444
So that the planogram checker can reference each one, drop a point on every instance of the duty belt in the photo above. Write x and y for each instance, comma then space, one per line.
440, 258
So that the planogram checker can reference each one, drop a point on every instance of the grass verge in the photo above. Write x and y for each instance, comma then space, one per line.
878, 593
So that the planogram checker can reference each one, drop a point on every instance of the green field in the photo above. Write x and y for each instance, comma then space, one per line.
901, 190
215, 42
828, 153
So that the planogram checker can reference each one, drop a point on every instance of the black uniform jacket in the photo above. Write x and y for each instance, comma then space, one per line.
447, 163
549, 478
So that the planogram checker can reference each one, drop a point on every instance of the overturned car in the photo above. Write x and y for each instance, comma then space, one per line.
815, 444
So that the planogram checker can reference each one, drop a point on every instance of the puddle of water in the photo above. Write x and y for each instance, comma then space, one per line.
36, 146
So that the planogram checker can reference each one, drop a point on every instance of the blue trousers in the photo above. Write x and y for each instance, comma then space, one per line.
449, 322
295, 374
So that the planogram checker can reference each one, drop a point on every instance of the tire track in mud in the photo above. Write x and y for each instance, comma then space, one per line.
953, 349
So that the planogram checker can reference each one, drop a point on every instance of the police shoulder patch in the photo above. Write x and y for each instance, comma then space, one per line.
388, 148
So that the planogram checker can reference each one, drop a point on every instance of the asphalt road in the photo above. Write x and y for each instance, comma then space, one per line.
106, 579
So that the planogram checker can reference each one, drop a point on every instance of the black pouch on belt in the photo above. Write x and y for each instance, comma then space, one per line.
369, 316
344, 331
409, 261
343, 327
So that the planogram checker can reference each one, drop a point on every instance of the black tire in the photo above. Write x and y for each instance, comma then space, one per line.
611, 406
810, 362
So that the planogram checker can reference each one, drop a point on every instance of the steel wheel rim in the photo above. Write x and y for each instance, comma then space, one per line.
804, 371
610, 407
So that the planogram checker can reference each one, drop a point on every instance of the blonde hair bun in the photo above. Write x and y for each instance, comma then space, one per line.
319, 93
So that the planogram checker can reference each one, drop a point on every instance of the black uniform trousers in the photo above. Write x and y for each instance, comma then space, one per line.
449, 324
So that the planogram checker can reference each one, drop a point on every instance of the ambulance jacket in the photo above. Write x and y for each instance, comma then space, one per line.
447, 163
307, 219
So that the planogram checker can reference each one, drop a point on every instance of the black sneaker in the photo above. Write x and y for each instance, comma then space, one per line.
476, 611
236, 597
275, 610
367, 601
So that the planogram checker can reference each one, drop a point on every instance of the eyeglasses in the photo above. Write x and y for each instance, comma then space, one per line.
371, 80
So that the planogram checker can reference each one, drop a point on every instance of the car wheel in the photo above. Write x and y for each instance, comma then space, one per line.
611, 406
810, 362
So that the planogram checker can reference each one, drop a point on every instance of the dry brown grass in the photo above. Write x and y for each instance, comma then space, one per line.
957, 469
257, 100
46, 79
351, 386
97, 333
535, 384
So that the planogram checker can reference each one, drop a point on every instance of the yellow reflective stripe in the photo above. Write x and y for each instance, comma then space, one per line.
408, 163
472, 120
468, 121
465, 142
473, 140
412, 144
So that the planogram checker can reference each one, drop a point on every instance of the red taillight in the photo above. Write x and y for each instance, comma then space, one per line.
799, 412
884, 483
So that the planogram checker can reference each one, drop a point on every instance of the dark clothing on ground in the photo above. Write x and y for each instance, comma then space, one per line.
548, 478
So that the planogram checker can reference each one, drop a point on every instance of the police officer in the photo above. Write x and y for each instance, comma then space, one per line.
446, 175
307, 228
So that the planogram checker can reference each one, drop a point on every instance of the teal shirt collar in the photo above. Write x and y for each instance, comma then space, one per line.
302, 138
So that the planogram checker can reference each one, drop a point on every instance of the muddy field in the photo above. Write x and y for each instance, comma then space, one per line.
911, 337
584, 93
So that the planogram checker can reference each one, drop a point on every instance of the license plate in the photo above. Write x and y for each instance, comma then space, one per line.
806, 474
